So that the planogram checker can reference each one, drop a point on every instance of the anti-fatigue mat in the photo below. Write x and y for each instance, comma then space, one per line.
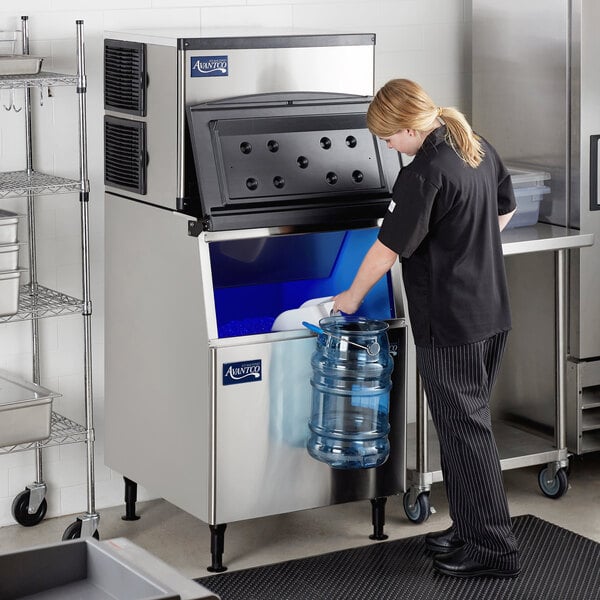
556, 564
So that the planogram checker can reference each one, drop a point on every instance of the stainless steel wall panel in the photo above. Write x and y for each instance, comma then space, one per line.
520, 86
536, 91
587, 292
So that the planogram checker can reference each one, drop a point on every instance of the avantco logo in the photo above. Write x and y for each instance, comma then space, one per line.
209, 66
242, 372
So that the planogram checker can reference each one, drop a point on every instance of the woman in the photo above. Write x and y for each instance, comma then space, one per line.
444, 221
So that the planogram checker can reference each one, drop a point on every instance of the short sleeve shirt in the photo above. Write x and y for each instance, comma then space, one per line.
443, 224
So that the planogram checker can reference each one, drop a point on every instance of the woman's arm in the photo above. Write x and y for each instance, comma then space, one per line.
504, 219
377, 262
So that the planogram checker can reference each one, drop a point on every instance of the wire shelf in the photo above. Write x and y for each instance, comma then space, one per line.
43, 302
42, 79
62, 431
19, 183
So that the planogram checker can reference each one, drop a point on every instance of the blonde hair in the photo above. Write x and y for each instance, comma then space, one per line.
404, 104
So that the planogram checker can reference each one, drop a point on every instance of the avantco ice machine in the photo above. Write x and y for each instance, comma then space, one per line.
205, 405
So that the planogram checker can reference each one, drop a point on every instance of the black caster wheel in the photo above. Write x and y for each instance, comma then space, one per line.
22, 515
419, 513
553, 487
73, 532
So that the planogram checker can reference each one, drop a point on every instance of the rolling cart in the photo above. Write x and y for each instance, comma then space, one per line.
30, 399
518, 445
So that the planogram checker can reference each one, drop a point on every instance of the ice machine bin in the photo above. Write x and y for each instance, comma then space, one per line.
185, 309
256, 279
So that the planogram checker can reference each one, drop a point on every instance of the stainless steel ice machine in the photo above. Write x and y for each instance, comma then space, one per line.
205, 405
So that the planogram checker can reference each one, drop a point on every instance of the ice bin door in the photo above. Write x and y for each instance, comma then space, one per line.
262, 407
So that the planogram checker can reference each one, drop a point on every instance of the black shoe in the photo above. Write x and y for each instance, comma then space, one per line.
443, 541
457, 564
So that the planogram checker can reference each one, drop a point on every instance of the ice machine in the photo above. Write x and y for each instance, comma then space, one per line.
274, 197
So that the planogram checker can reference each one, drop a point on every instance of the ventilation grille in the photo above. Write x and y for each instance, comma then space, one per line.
125, 154
125, 77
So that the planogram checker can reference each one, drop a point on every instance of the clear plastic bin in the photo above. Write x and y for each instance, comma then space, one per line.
529, 190
526, 178
528, 206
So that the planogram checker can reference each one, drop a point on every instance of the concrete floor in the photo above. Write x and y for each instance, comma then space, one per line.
184, 542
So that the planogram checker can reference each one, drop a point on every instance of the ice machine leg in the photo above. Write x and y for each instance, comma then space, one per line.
130, 500
217, 545
378, 518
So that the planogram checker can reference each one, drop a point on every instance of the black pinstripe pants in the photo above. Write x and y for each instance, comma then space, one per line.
458, 381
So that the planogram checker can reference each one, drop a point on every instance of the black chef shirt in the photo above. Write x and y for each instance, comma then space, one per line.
443, 223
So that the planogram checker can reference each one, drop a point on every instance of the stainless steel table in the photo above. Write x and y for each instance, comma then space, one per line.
517, 446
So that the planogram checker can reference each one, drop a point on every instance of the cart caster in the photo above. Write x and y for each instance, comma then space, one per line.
419, 512
73, 531
555, 487
20, 510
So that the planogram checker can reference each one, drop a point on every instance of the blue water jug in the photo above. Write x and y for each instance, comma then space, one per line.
351, 382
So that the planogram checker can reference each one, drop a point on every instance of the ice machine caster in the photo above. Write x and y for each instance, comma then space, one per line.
21, 511
419, 509
553, 486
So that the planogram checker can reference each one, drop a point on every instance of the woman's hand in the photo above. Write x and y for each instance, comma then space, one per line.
346, 302
376, 263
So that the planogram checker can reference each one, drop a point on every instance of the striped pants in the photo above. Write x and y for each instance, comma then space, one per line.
458, 381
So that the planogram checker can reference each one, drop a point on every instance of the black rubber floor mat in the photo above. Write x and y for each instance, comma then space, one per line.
556, 564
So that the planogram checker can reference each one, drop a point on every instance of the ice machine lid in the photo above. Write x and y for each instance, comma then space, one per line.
289, 159
194, 38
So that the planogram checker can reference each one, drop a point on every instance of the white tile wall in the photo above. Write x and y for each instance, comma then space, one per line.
427, 40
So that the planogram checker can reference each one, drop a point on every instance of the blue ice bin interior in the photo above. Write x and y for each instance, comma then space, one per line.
256, 279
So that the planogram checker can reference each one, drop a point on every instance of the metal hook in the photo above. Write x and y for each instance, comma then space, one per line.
12, 105
9, 107
12, 101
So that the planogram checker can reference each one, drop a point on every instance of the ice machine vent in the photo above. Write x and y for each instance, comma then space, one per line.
125, 77
125, 155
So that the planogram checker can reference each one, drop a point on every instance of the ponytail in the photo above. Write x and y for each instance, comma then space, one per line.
404, 104
461, 136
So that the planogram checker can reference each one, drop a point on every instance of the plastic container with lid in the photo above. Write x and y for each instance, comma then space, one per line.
529, 188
